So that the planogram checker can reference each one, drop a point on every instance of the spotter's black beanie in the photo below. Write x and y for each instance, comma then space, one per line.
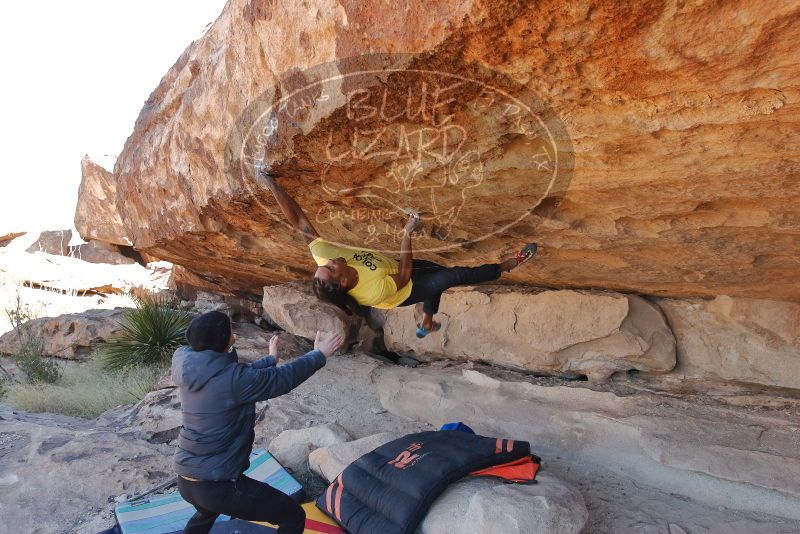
210, 331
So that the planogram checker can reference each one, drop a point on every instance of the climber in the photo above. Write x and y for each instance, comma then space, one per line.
355, 278
218, 397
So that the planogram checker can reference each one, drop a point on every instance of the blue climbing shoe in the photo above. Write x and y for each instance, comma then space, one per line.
422, 331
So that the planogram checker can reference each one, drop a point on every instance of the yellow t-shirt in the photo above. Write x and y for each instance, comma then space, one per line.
375, 287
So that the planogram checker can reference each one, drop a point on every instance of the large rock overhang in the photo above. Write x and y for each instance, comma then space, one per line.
678, 168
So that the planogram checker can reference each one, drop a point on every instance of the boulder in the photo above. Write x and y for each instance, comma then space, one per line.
289, 346
241, 309
71, 336
96, 214
329, 461
52, 242
295, 309
737, 339
292, 447
99, 252
156, 418
187, 284
206, 301
573, 332
649, 178
476, 505
252, 342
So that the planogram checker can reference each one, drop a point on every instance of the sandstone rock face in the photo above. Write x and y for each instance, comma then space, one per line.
96, 215
292, 447
252, 343
473, 505
738, 339
69, 275
678, 126
587, 333
293, 308
69, 336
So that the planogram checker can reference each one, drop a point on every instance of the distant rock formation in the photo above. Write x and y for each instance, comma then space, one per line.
52, 242
96, 215
8, 238
57, 242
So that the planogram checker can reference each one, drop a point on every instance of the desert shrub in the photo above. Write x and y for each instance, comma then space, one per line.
85, 390
29, 356
150, 334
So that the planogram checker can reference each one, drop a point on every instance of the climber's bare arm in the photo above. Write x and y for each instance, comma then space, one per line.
291, 210
406, 255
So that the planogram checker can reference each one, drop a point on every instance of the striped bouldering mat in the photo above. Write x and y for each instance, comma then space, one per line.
168, 514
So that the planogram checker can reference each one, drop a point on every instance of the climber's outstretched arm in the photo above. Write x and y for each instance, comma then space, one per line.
294, 214
406, 255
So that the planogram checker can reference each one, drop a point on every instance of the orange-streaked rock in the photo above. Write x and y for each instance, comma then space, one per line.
683, 122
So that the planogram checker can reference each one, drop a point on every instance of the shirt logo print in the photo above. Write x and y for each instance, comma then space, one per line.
368, 259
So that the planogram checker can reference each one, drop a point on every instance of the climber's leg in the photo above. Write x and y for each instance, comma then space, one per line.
430, 280
519, 258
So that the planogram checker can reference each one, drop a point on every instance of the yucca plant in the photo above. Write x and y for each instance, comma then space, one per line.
150, 334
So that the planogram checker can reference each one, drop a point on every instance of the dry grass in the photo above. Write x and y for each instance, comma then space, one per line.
86, 390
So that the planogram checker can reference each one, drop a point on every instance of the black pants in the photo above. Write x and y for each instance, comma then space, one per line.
429, 280
243, 499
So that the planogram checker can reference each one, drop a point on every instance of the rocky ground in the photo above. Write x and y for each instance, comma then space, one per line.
628, 450
625, 451
59, 474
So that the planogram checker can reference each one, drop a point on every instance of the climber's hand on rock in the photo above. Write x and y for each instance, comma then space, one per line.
328, 343
263, 171
413, 223
274, 347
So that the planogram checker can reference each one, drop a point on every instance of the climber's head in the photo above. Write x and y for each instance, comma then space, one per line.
327, 289
335, 272
210, 331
